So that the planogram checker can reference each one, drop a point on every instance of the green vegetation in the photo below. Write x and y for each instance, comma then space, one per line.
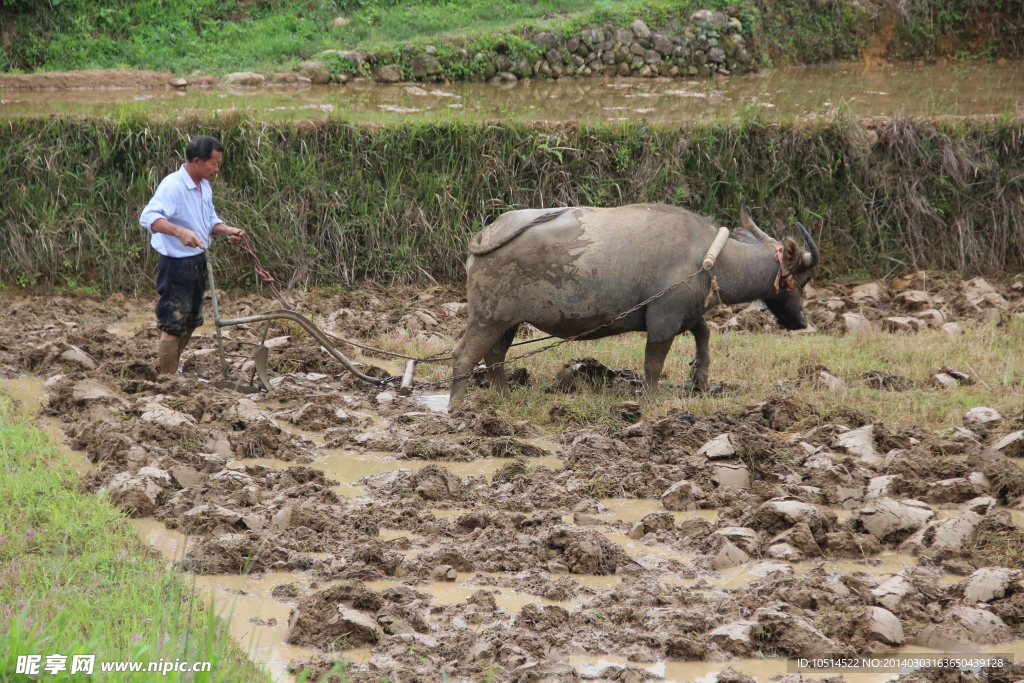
937, 28
755, 366
76, 580
810, 32
217, 36
399, 204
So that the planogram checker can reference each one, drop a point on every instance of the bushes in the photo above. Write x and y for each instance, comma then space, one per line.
398, 204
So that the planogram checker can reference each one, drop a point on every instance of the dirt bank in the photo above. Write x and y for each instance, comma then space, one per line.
779, 529
92, 79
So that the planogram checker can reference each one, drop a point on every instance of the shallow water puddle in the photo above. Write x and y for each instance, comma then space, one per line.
631, 510
905, 90
29, 390
646, 555
137, 319
454, 592
435, 402
349, 467
706, 672
257, 620
1016, 516
761, 669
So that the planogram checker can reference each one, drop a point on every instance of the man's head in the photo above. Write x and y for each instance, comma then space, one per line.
203, 154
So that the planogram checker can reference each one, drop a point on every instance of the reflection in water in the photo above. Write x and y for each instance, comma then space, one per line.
961, 89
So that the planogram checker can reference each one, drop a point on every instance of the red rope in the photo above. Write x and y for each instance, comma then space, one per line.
783, 279
262, 273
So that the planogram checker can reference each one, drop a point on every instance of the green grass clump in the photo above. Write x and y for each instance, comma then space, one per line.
76, 580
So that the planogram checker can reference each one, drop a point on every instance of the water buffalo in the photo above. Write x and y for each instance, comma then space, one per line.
567, 271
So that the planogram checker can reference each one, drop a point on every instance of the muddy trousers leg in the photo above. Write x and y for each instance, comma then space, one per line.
496, 354
701, 356
476, 342
654, 361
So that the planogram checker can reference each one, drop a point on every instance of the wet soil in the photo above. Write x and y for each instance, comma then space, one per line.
962, 89
341, 522
92, 79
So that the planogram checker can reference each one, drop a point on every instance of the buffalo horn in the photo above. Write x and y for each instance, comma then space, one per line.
811, 257
748, 223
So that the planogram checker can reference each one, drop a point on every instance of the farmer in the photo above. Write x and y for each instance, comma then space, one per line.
181, 219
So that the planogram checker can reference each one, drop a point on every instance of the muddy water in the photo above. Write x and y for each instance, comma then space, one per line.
632, 509
706, 672
258, 621
454, 592
29, 391
961, 89
349, 467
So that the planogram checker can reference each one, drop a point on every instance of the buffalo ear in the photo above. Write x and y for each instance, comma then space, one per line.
791, 255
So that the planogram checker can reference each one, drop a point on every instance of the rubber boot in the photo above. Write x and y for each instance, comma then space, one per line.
183, 339
167, 356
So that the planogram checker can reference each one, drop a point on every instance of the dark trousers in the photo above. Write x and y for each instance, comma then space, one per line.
181, 284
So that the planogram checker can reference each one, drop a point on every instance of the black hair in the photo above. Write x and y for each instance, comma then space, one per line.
202, 147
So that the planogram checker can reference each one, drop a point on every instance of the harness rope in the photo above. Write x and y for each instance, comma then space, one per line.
783, 278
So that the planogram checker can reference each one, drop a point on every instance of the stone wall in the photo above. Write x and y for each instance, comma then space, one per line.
710, 43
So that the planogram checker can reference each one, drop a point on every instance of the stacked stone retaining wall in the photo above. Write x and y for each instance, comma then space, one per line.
710, 43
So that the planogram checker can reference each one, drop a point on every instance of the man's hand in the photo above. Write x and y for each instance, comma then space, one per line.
234, 235
189, 238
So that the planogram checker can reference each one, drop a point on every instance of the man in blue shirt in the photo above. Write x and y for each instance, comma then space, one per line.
181, 219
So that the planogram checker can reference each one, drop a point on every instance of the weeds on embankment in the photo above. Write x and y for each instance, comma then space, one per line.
76, 580
398, 204
185, 35
232, 35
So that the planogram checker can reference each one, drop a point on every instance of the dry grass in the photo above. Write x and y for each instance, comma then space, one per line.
755, 366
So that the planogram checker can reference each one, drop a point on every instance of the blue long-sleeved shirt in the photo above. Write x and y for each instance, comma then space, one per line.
183, 203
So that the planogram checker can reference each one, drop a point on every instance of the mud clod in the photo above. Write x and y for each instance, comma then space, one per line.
782, 528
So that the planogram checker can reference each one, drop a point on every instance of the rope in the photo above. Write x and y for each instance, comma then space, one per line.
713, 290
784, 279
262, 273
684, 281
265, 277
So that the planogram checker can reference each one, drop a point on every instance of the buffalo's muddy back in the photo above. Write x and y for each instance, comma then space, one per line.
510, 225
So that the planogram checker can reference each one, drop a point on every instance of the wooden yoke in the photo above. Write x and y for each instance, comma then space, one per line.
716, 248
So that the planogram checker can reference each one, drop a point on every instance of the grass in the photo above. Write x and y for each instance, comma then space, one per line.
76, 580
934, 28
230, 35
217, 36
398, 204
756, 366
